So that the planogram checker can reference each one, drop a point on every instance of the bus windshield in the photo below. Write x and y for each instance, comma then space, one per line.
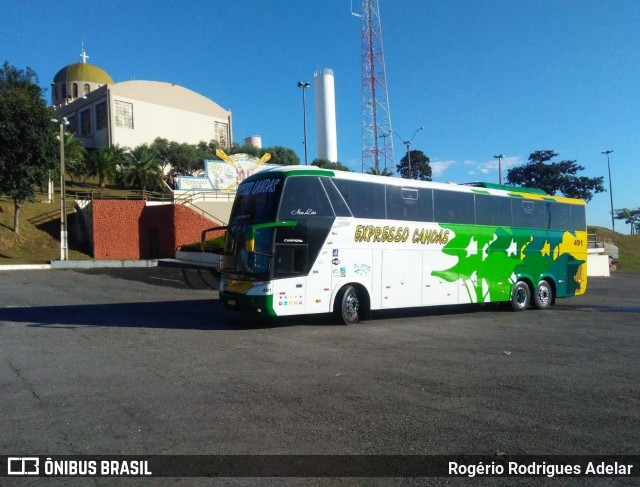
256, 201
255, 260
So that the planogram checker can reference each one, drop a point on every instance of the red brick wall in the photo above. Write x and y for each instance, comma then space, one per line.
129, 230
115, 229
188, 225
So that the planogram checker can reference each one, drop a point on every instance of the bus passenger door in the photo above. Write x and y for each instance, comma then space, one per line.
289, 285
318, 284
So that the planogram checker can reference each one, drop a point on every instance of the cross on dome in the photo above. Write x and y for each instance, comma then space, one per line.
84, 55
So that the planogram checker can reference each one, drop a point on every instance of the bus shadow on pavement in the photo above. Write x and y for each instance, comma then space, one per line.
199, 315
188, 315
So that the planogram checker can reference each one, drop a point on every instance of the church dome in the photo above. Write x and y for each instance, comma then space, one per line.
77, 80
83, 72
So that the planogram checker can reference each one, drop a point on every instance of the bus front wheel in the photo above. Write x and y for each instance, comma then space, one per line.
520, 296
349, 306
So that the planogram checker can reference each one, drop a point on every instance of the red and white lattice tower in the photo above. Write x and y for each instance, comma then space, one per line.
377, 143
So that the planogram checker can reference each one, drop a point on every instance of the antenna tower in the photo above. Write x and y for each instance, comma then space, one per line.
377, 143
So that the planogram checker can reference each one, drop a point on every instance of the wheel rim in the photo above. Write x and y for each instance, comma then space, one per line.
351, 306
521, 296
543, 295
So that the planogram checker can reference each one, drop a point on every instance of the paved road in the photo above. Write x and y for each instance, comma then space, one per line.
143, 361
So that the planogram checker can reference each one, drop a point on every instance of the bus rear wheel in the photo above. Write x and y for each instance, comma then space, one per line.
349, 306
520, 296
543, 296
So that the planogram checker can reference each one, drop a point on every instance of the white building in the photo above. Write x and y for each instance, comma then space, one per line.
131, 113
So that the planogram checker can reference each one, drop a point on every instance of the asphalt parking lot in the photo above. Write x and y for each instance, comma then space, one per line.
144, 361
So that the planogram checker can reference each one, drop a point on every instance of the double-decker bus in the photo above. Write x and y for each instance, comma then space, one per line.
303, 240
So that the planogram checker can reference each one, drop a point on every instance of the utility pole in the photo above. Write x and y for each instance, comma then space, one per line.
613, 223
407, 143
304, 86
499, 157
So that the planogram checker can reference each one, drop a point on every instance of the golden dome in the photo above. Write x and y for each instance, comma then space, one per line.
82, 72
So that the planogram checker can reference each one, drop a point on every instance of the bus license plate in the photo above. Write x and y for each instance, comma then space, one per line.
231, 302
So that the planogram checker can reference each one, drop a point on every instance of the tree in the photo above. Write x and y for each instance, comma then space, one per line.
420, 168
380, 172
104, 162
282, 155
182, 157
143, 169
630, 217
555, 177
28, 145
246, 149
327, 164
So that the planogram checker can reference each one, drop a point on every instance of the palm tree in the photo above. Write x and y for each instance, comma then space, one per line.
104, 163
74, 156
143, 169
380, 172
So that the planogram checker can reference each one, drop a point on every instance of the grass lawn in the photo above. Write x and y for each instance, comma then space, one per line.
39, 239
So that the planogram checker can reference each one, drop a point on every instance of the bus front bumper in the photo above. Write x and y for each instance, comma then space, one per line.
258, 305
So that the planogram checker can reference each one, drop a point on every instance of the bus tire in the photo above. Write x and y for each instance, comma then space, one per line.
520, 296
543, 295
348, 305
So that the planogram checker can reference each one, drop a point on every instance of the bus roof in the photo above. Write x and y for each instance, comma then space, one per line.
475, 187
505, 187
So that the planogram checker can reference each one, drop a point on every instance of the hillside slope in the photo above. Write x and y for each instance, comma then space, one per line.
628, 245
39, 239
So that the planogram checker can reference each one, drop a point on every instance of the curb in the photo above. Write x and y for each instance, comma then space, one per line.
25, 267
112, 264
99, 264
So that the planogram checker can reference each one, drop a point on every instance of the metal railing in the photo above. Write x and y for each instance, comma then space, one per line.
189, 197
192, 195
124, 195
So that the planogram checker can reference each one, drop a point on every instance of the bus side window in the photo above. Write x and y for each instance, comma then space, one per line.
578, 217
493, 210
340, 208
290, 260
304, 196
364, 200
453, 207
529, 213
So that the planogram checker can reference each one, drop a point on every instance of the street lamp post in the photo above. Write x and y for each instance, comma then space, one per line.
384, 138
64, 246
613, 224
407, 143
499, 157
304, 85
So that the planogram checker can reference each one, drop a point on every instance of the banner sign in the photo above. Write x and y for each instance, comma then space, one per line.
469, 466
225, 174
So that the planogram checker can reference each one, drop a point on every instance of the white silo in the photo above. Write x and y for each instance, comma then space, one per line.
325, 98
254, 141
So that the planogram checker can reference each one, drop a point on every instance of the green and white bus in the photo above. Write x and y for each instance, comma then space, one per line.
304, 240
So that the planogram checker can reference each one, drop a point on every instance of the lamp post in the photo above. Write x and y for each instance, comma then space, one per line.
499, 157
64, 247
304, 85
613, 224
384, 138
407, 143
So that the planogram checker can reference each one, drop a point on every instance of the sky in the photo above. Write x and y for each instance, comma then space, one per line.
482, 77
